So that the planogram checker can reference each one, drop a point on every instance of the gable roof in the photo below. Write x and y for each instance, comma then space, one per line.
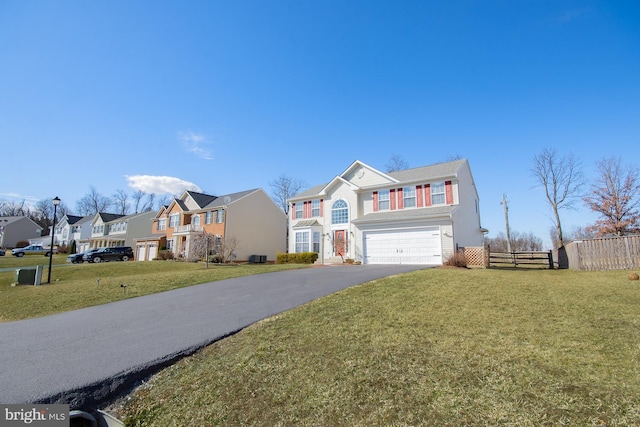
5, 220
431, 172
108, 217
201, 199
229, 198
72, 219
436, 171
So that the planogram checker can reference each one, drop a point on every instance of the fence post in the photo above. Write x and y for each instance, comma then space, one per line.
550, 260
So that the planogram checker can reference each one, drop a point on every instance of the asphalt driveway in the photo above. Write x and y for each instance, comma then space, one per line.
86, 357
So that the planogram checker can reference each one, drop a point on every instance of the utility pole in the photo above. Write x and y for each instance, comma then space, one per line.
506, 220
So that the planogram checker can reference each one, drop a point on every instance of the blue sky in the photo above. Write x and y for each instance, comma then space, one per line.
225, 96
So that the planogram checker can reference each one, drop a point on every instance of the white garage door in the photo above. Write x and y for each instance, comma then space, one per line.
418, 246
140, 255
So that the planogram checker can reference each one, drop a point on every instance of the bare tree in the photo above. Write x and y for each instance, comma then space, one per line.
396, 163
120, 202
284, 188
139, 202
519, 242
616, 197
8, 208
562, 179
92, 203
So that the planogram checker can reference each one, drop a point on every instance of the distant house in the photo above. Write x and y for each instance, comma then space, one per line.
16, 228
108, 230
250, 218
414, 216
70, 228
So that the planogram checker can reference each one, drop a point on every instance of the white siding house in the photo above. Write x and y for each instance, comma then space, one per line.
415, 216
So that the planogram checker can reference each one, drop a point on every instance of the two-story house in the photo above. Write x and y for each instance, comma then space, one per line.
108, 230
14, 229
72, 228
250, 218
414, 216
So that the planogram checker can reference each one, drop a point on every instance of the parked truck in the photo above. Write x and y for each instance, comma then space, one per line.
33, 250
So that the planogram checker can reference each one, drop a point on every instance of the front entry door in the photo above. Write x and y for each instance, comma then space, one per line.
339, 242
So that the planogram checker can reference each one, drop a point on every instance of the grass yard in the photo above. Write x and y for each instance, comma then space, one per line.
436, 347
84, 285
10, 261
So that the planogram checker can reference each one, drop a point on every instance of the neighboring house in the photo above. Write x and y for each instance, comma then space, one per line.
81, 233
250, 218
108, 230
414, 216
16, 228
69, 228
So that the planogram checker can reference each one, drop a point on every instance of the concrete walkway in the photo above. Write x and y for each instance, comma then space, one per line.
87, 357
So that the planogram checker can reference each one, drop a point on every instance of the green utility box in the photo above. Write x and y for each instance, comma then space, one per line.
29, 276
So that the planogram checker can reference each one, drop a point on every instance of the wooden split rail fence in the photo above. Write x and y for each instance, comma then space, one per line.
521, 258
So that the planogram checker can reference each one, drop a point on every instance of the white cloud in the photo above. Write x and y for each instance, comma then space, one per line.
197, 144
160, 184
17, 196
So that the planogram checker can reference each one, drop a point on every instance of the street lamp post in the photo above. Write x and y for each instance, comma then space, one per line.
56, 202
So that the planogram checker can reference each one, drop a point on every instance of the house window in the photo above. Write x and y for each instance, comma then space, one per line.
162, 224
383, 200
219, 216
409, 197
299, 211
302, 241
315, 208
316, 242
174, 220
437, 194
170, 244
340, 212
196, 221
208, 217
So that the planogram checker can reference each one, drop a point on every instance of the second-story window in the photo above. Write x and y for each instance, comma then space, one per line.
409, 197
174, 220
208, 217
383, 200
162, 224
437, 194
299, 211
196, 221
315, 208
219, 216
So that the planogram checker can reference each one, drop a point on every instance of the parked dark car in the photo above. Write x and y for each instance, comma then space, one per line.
1, 252
78, 258
116, 253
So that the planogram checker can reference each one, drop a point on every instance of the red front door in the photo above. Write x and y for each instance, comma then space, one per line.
339, 242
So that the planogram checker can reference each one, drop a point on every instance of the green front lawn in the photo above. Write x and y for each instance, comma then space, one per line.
84, 285
436, 347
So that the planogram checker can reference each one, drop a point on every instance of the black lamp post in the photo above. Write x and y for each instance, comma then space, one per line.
56, 202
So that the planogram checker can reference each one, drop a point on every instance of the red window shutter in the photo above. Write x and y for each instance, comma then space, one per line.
427, 195
400, 198
307, 205
448, 191
375, 201
419, 195
293, 211
321, 207
392, 198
